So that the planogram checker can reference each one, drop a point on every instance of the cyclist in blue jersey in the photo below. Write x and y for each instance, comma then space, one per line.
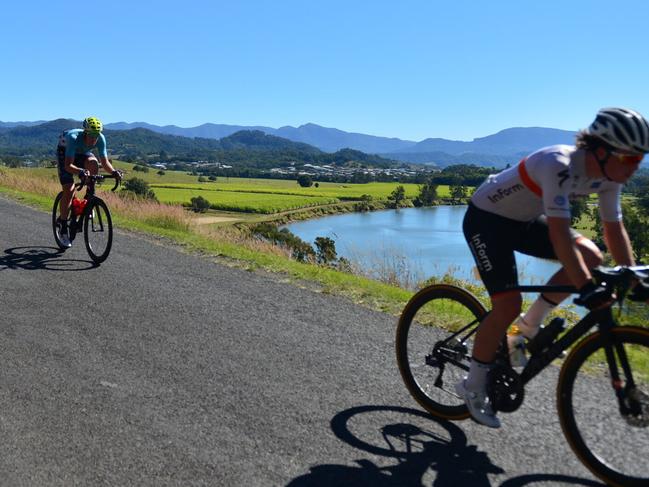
75, 156
526, 208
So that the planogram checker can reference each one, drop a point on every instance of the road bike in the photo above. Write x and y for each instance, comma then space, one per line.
90, 216
603, 387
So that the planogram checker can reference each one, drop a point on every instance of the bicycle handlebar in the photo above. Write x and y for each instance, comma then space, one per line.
618, 280
99, 178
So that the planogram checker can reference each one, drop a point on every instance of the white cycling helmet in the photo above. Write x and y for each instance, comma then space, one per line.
622, 129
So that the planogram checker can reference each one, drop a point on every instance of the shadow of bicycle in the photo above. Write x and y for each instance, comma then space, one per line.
427, 452
41, 258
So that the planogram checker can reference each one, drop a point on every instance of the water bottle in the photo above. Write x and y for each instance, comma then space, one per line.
516, 347
76, 206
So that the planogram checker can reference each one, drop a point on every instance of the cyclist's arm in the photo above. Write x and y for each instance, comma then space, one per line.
70, 165
618, 242
567, 252
103, 154
105, 163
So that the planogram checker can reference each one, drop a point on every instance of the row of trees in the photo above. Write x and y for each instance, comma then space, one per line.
427, 195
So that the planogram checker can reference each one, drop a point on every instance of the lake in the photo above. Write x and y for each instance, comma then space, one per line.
415, 242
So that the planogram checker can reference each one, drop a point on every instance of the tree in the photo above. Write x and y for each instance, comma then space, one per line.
398, 196
139, 187
458, 192
199, 204
578, 207
427, 194
325, 250
636, 224
161, 172
365, 203
212, 178
304, 180
202, 179
12, 161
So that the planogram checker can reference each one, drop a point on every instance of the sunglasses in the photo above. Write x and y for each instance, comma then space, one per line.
626, 158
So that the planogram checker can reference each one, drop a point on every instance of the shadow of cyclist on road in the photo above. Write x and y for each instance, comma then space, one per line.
41, 258
429, 453
424, 456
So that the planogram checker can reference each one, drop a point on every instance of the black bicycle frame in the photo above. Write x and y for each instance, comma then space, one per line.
540, 360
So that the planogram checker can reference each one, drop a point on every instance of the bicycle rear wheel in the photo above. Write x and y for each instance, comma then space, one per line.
432, 360
613, 445
97, 230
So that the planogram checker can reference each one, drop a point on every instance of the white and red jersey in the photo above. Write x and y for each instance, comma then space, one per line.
544, 183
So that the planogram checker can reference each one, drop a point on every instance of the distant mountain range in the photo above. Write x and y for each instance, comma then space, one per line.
244, 148
506, 146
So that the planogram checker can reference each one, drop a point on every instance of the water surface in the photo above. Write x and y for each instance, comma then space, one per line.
419, 242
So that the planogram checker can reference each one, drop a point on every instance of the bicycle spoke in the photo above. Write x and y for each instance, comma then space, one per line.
431, 359
607, 420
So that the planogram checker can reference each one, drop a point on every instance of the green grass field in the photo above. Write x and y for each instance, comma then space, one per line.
241, 201
247, 195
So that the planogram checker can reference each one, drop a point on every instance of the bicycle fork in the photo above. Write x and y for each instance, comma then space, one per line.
628, 396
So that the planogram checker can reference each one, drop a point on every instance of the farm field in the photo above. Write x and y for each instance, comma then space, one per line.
242, 201
252, 195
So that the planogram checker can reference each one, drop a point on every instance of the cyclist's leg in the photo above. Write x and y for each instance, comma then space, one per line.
538, 244
497, 266
505, 307
91, 163
592, 257
67, 184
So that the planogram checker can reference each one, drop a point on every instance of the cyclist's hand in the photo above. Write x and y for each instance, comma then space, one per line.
117, 174
594, 296
83, 173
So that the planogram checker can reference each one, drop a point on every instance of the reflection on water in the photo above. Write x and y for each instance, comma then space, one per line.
419, 242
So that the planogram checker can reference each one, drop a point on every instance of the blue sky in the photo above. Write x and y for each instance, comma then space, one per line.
412, 69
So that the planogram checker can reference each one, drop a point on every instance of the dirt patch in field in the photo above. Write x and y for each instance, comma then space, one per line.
204, 220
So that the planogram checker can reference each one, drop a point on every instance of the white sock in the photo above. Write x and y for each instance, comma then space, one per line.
534, 316
477, 378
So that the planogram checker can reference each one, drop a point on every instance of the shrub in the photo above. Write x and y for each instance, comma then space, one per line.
304, 180
139, 187
199, 204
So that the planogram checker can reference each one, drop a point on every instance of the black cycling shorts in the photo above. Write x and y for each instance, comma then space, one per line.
79, 160
493, 239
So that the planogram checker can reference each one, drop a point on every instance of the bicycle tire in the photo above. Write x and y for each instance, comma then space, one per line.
97, 220
595, 381
55, 215
414, 336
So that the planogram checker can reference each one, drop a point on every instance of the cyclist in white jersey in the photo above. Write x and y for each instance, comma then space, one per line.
526, 208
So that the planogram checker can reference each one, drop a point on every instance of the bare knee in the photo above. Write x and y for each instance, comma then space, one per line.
590, 252
92, 165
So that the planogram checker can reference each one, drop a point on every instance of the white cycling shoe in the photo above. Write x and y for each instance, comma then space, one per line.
63, 236
479, 405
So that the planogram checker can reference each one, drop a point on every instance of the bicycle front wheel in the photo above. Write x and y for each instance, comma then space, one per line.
97, 230
610, 438
432, 360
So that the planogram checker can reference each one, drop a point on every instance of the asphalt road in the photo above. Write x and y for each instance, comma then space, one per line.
165, 368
